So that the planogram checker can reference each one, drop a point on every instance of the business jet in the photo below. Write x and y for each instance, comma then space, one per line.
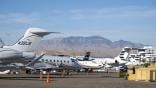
58, 63
24, 47
88, 63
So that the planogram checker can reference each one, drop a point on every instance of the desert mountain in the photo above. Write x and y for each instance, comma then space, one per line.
78, 45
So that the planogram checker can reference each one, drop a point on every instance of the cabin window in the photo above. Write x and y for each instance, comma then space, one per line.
67, 61
46, 60
57, 60
121, 57
42, 60
64, 61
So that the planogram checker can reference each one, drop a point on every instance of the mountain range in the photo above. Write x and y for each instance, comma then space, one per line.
78, 45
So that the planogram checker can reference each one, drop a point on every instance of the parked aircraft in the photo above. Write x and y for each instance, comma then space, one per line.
87, 63
58, 63
101, 62
24, 47
5, 72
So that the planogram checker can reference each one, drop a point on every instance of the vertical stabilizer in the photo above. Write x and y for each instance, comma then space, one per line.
30, 40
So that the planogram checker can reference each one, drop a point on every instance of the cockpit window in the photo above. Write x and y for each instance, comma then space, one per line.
67, 61
42, 60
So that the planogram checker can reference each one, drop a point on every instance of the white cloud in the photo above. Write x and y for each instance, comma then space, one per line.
18, 18
30, 18
128, 11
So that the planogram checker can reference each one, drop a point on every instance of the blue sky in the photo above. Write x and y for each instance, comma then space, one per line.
132, 20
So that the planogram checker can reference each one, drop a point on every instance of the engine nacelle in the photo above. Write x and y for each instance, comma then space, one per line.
29, 55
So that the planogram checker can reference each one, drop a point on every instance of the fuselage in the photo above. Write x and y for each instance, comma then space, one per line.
104, 60
90, 64
60, 62
6, 53
11, 56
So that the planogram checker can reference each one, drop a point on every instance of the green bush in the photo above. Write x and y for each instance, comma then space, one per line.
146, 65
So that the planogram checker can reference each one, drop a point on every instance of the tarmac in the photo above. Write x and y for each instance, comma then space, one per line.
75, 80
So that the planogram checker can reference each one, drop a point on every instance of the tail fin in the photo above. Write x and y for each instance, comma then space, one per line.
86, 57
30, 40
1, 43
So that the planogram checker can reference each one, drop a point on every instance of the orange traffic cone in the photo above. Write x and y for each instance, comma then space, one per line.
48, 78
41, 76
63, 71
